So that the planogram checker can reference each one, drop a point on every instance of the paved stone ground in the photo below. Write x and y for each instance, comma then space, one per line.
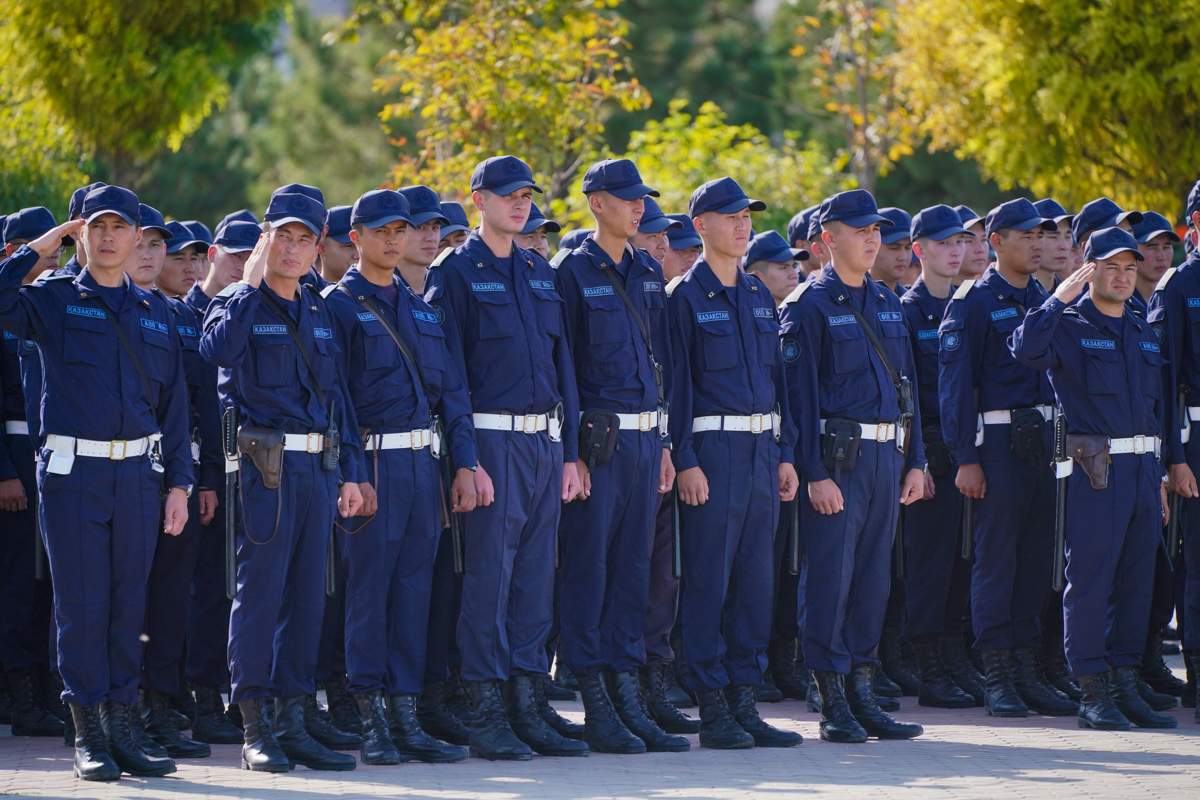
962, 754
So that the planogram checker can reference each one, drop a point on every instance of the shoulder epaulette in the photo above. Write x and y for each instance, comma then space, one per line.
964, 289
559, 257
796, 294
1165, 279
672, 284
329, 289
64, 276
442, 256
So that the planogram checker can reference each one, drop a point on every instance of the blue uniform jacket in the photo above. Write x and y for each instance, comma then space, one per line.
1174, 313
95, 392
923, 314
388, 395
202, 395
12, 398
508, 315
261, 372
725, 357
834, 371
198, 300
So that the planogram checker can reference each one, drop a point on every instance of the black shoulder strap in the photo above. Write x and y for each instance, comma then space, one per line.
129, 351
873, 338
642, 325
294, 330
370, 305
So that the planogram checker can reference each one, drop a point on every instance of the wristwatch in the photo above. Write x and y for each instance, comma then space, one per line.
187, 490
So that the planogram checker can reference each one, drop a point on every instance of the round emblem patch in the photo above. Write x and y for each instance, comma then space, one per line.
791, 350
951, 340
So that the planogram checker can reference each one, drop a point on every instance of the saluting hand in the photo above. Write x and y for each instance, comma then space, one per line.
1075, 283
913, 488
789, 483
175, 512
256, 264
50, 242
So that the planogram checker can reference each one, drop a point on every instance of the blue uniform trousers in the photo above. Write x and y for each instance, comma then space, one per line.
208, 614
389, 576
1014, 542
606, 546
849, 562
275, 621
331, 653
22, 628
168, 603
1111, 538
441, 649
508, 582
937, 576
100, 525
728, 561
1189, 605
663, 599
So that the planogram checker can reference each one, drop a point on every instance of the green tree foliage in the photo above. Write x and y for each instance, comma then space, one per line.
41, 163
1068, 97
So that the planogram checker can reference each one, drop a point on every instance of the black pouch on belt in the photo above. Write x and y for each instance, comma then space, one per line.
1028, 435
264, 447
839, 444
598, 437
1090, 453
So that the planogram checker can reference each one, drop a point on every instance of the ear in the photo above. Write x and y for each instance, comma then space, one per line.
917, 249
994, 239
477, 199
9, 249
826, 238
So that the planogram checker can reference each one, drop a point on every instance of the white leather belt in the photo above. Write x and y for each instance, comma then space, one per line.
1004, 416
766, 422
304, 442
641, 421
1134, 445
1194, 413
16, 427
519, 423
874, 432
409, 440
118, 450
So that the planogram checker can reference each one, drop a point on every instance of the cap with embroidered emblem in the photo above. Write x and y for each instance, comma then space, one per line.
1107, 242
724, 196
27, 224
503, 175
617, 176
856, 208
288, 207
424, 205
380, 207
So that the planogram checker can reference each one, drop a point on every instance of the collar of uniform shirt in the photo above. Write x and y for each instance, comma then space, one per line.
841, 292
357, 283
482, 256
711, 284
1087, 309
599, 258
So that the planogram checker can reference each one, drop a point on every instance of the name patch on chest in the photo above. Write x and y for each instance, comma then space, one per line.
366, 316
153, 325
540, 284
712, 316
651, 286
270, 330
87, 311
1193, 302
1098, 344
597, 291
1004, 313
927, 334
187, 330
1149, 347
425, 316
488, 287
322, 333
891, 316
842, 319
764, 313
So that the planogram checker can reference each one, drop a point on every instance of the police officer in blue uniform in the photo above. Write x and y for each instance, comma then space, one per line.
860, 452
733, 449
503, 306
121, 444
277, 349
338, 253
684, 247
457, 226
1105, 365
895, 252
995, 414
978, 255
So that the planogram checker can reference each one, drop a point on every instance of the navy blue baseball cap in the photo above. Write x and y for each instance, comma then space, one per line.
618, 177
1193, 202
654, 220
937, 223
238, 236
339, 224
241, 215
150, 218
28, 224
380, 207
538, 220
724, 196
1017, 215
503, 175
901, 223
456, 216
967, 216
111, 200
199, 230
3, 222
683, 237
180, 237
424, 205
1100, 213
75, 207
797, 227
1152, 225
770, 246
814, 224
855, 208
1107, 242
288, 207
1050, 208
573, 238
301, 188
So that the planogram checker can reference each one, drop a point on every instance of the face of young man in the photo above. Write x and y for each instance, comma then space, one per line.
178, 275
1115, 278
1158, 253
853, 249
109, 241
656, 244
227, 267
536, 241
421, 243
781, 277
975, 261
1056, 250
943, 258
505, 214
678, 262
382, 247
893, 261
1020, 251
336, 258
621, 217
291, 250
454, 240
725, 235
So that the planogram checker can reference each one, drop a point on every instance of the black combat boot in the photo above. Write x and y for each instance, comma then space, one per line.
565, 678
343, 709
562, 725
938, 689
1054, 668
1000, 693
787, 668
603, 729
767, 691
556, 691
93, 761
886, 687
436, 718
960, 668
1129, 702
184, 704
1040, 697
323, 730
1192, 698
894, 665
161, 728
137, 729
27, 715
260, 749
411, 739
625, 690
1096, 707
211, 725
718, 729
377, 745
117, 719
860, 694
492, 736
813, 700
655, 680
838, 723
1154, 670
1159, 701
291, 731
741, 702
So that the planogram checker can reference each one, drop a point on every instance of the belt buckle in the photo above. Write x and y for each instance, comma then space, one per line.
312, 443
756, 423
881, 432
645, 420
117, 450
529, 423
1139, 444
416, 439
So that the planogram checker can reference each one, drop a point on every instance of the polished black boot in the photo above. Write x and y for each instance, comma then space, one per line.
1129, 702
838, 723
260, 749
603, 729
1154, 670
788, 670
211, 724
161, 728
1000, 693
562, 725
291, 731
938, 689
718, 729
1054, 668
137, 728
656, 677
525, 716
343, 709
322, 729
886, 687
745, 713
436, 718
1040, 697
676, 694
411, 739
93, 761
117, 719
893, 664
1159, 701
377, 745
860, 694
492, 736
960, 668
767, 691
1096, 707
27, 715
556, 691
625, 690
